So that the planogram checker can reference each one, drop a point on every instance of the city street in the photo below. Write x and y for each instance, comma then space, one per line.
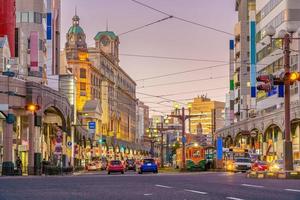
181, 186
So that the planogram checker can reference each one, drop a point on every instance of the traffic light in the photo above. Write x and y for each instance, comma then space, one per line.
293, 77
267, 82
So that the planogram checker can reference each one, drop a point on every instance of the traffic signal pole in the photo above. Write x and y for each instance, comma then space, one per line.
288, 147
183, 118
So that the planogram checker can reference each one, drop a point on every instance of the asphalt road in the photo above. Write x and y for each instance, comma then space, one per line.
131, 186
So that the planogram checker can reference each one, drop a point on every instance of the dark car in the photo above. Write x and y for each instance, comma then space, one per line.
130, 164
115, 166
148, 165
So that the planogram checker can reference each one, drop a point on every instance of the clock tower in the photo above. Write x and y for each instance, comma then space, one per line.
76, 40
108, 42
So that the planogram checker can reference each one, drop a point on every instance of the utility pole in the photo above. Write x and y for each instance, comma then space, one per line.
182, 117
288, 147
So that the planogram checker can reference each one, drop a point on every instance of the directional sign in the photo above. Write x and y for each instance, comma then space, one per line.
92, 125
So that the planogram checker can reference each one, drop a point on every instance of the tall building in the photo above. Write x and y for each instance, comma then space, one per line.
8, 22
241, 56
31, 39
211, 116
142, 120
279, 14
102, 88
264, 132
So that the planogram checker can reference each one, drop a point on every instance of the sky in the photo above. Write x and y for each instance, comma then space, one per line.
170, 38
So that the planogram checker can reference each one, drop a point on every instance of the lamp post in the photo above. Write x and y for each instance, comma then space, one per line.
152, 139
286, 36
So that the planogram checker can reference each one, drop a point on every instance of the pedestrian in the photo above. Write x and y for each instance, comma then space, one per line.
19, 166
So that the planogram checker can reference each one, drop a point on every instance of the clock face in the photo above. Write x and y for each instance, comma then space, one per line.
105, 41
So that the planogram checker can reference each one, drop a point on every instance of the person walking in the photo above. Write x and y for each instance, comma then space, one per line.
19, 166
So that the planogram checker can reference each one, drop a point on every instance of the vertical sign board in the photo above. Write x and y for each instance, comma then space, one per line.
231, 83
252, 29
219, 148
49, 26
34, 51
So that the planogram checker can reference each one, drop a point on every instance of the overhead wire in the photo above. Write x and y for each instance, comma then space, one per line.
182, 19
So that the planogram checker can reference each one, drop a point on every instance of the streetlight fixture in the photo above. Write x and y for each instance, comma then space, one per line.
287, 37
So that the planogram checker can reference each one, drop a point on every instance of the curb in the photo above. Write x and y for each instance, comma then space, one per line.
274, 175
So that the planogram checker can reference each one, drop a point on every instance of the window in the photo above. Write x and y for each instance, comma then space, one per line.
18, 17
82, 73
37, 18
31, 17
82, 86
24, 16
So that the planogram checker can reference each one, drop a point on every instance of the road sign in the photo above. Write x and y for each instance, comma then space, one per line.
92, 125
183, 139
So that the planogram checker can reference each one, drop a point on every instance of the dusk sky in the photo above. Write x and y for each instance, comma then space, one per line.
171, 38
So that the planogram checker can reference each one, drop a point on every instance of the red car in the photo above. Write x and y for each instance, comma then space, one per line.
259, 166
115, 166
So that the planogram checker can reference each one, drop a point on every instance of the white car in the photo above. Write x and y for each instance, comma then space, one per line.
242, 164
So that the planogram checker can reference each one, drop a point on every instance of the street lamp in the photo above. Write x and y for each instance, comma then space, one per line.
287, 37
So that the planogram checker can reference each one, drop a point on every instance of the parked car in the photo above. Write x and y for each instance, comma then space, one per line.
91, 167
297, 165
148, 165
276, 165
259, 166
130, 164
115, 166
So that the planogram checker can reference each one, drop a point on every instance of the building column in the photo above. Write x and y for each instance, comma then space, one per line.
8, 142
32, 142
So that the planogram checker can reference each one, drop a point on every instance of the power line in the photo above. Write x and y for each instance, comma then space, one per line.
182, 19
181, 72
190, 92
182, 82
146, 25
171, 58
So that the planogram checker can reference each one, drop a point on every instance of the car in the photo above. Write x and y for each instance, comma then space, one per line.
148, 165
297, 165
130, 164
259, 166
91, 167
115, 166
276, 166
241, 164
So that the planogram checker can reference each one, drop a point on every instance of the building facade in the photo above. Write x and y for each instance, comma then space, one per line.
263, 133
211, 117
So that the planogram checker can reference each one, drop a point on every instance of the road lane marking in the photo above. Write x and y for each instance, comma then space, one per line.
149, 194
292, 190
234, 198
163, 186
195, 191
255, 186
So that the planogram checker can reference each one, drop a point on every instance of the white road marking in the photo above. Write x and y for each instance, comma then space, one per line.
195, 191
292, 190
149, 194
255, 186
234, 198
163, 186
